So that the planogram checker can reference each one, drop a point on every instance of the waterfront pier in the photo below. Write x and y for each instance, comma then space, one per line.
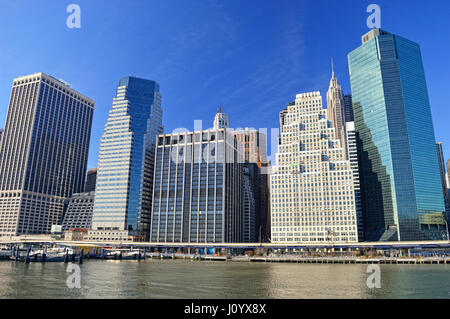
48, 249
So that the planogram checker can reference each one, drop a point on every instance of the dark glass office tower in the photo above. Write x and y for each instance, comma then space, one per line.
43, 153
402, 194
91, 180
124, 179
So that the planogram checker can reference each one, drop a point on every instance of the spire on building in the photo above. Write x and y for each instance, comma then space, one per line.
335, 107
332, 68
333, 82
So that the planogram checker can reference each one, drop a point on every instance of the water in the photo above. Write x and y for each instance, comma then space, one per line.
221, 280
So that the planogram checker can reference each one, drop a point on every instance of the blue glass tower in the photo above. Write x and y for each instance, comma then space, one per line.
402, 197
124, 181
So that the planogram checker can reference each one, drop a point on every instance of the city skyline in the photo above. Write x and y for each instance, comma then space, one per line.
237, 81
397, 152
225, 153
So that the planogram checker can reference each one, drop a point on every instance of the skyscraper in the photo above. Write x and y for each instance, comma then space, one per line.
445, 190
400, 181
197, 188
44, 152
352, 151
125, 169
91, 180
255, 184
348, 109
335, 108
254, 145
441, 161
448, 174
312, 190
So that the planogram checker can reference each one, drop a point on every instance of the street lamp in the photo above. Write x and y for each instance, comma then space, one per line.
446, 227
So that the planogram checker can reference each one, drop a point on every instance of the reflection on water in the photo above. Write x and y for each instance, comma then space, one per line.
193, 279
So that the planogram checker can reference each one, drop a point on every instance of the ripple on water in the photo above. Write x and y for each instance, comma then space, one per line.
221, 280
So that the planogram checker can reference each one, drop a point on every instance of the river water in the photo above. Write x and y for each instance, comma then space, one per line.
220, 280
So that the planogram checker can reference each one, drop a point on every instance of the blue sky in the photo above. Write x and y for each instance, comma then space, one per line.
249, 57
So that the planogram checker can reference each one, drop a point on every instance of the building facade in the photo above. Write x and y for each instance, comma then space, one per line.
91, 180
448, 174
197, 188
221, 120
79, 211
125, 171
400, 181
43, 153
335, 108
312, 189
256, 184
441, 161
249, 203
348, 109
352, 152
445, 190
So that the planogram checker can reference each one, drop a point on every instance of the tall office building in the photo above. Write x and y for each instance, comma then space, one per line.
348, 109
91, 180
352, 151
441, 161
254, 145
255, 184
447, 179
197, 188
1, 134
249, 189
44, 152
312, 190
335, 108
400, 182
445, 190
125, 169
448, 174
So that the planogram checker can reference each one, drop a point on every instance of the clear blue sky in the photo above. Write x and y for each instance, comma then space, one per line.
249, 56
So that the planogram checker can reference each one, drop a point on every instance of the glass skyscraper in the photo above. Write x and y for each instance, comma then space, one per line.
402, 196
43, 153
124, 179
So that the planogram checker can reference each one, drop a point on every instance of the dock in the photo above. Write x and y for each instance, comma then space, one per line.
346, 260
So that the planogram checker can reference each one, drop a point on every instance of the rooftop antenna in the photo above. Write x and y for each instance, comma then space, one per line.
332, 67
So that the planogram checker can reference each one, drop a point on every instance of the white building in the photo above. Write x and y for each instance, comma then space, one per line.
312, 192
352, 152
